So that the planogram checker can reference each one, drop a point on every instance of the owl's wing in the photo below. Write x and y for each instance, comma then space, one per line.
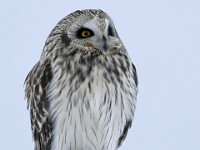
36, 85
129, 122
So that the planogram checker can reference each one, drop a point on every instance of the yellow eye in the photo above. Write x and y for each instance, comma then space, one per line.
85, 34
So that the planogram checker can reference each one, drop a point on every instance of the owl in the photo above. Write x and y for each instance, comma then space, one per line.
82, 92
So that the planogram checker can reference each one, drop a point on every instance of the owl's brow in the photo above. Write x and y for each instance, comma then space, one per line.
102, 23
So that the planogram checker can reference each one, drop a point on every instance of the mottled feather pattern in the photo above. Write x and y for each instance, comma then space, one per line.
36, 86
83, 80
81, 98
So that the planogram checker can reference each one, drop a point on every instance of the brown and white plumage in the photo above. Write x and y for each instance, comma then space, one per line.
82, 92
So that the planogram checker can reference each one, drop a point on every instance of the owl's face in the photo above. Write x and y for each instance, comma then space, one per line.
94, 31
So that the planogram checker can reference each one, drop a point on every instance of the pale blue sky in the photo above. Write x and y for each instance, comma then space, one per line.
163, 40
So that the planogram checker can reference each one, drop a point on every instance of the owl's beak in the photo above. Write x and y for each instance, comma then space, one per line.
111, 43
104, 45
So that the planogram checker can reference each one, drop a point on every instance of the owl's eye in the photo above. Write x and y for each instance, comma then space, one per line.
84, 33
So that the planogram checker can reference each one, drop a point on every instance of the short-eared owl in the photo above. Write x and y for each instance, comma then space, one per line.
82, 92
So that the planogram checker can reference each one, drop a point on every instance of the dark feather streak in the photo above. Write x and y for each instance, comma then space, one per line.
124, 133
65, 39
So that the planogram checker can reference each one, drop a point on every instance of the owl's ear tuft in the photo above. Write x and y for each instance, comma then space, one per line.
65, 39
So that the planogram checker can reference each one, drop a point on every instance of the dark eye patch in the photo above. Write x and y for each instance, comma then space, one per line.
84, 33
110, 31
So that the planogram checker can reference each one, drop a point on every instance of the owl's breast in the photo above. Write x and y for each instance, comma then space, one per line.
91, 110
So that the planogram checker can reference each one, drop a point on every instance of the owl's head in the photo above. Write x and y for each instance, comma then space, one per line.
87, 30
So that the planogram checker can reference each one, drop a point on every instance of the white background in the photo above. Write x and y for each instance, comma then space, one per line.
163, 40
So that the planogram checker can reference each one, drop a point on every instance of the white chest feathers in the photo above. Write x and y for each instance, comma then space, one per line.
89, 115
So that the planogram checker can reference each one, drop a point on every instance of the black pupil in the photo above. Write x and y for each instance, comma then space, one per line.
87, 33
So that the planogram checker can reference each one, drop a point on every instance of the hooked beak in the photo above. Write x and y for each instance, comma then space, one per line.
104, 45
107, 44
